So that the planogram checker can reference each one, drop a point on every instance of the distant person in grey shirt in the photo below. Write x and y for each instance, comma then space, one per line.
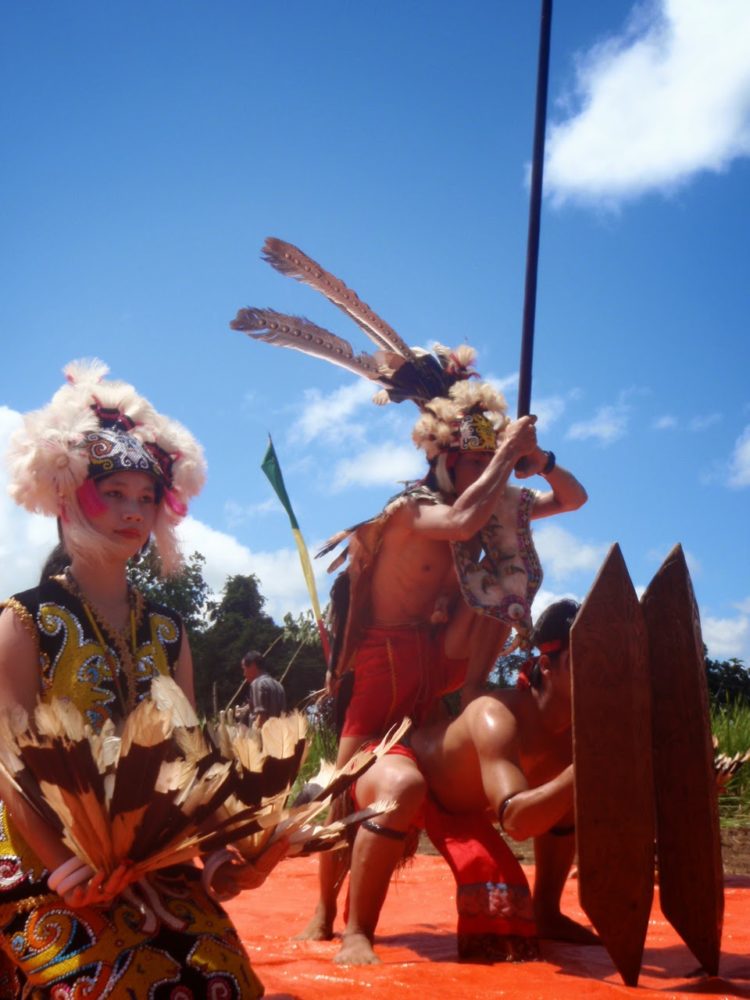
266, 697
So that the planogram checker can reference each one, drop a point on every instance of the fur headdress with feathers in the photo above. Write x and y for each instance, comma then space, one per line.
457, 414
90, 428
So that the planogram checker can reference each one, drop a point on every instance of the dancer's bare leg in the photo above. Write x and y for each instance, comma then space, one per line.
332, 868
376, 854
553, 856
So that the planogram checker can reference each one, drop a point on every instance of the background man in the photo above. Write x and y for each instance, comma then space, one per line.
266, 697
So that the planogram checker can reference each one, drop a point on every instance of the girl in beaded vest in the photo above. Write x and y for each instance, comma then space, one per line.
116, 474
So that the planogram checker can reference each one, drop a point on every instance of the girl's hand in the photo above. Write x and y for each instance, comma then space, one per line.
233, 874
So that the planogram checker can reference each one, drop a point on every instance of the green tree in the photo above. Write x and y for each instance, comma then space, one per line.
222, 631
186, 592
728, 681
236, 623
305, 668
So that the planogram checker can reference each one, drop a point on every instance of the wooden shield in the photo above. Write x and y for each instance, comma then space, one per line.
691, 883
613, 772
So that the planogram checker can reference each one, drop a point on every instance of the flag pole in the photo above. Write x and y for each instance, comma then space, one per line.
535, 208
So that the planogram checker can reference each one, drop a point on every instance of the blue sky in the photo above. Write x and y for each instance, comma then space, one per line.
151, 148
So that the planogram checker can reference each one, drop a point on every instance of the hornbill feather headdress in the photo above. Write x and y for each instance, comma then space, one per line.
456, 414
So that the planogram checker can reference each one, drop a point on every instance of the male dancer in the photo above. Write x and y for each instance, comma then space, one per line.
401, 635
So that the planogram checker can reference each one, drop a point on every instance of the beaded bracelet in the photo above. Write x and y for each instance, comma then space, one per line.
210, 865
68, 875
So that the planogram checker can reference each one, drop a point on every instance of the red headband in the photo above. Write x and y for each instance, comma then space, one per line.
523, 681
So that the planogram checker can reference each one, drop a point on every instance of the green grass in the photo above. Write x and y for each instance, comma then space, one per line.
730, 724
323, 745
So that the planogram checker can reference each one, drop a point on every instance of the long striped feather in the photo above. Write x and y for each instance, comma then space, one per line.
292, 262
299, 334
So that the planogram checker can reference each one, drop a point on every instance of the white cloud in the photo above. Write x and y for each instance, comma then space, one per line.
702, 423
739, 464
562, 554
548, 410
607, 425
546, 597
744, 606
324, 415
279, 571
667, 98
506, 384
25, 539
664, 423
385, 464
726, 638
237, 513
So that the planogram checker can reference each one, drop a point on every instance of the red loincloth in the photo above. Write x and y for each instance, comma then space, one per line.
493, 899
495, 911
399, 671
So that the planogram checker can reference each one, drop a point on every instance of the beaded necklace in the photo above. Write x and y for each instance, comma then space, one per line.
124, 641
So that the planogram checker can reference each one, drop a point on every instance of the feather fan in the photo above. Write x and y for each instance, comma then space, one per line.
158, 792
130, 796
297, 820
726, 766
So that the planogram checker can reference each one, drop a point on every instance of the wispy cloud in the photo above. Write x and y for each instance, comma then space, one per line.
608, 424
665, 423
548, 410
385, 464
703, 422
666, 99
563, 554
236, 513
739, 464
507, 384
323, 415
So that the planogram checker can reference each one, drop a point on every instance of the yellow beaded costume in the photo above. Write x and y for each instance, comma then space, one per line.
172, 941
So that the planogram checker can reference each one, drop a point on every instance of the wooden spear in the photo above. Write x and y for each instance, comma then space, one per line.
535, 208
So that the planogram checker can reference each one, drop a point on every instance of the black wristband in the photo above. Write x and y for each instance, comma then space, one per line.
562, 831
550, 463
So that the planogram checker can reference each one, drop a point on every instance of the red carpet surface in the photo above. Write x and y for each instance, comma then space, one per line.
417, 947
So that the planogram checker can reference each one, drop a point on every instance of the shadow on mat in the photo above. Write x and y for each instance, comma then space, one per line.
433, 945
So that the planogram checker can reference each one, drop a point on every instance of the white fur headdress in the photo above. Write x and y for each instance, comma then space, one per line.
91, 427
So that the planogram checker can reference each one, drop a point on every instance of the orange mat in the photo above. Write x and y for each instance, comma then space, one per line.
417, 947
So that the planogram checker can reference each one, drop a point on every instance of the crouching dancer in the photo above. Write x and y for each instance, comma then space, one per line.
512, 752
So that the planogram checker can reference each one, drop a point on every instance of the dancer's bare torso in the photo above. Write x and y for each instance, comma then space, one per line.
412, 574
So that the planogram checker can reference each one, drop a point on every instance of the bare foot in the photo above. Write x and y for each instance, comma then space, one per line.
356, 950
557, 927
320, 927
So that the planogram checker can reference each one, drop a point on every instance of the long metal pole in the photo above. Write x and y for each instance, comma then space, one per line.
535, 209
